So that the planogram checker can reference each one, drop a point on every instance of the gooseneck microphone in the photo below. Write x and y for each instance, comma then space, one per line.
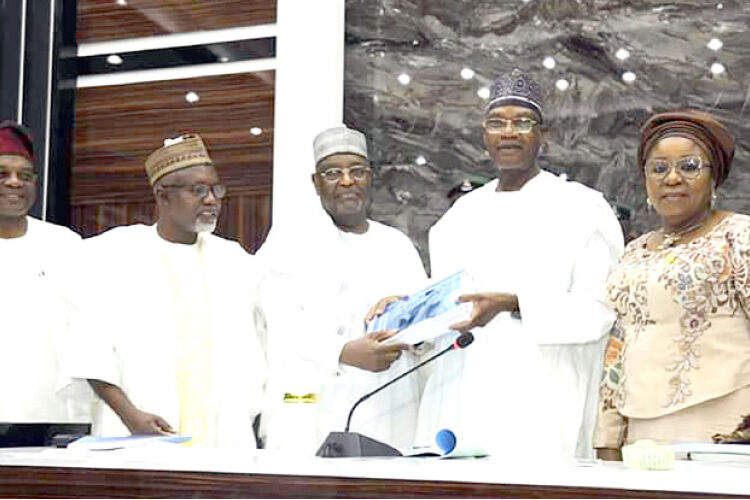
352, 444
461, 342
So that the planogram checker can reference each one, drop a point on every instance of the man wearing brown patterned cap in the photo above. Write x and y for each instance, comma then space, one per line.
171, 344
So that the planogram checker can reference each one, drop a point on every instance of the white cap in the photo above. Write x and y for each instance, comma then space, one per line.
339, 140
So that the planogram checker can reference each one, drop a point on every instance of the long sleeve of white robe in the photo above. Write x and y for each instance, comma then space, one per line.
556, 262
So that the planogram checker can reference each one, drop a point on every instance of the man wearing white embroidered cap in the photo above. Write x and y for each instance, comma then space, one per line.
349, 264
183, 354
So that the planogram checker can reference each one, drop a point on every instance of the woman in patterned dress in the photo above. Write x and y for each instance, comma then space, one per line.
677, 365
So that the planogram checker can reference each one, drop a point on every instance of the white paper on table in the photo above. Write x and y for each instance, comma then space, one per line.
117, 443
447, 446
712, 451
427, 313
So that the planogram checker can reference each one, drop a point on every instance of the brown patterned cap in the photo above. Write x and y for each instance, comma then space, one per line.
183, 152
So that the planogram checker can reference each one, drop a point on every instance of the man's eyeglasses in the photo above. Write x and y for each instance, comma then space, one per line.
26, 176
520, 125
201, 190
356, 172
689, 167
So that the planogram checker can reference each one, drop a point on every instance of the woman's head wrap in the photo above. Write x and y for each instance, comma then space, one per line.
701, 127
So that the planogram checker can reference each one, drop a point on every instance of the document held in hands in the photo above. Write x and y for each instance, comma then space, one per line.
427, 313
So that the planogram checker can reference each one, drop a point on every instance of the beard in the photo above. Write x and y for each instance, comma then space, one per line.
205, 227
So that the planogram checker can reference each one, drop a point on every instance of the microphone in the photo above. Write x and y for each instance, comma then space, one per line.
353, 444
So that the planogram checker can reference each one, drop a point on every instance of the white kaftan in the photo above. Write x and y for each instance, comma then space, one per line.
317, 301
529, 382
173, 326
37, 297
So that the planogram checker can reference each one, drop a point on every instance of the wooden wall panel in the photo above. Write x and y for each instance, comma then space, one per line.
118, 127
100, 20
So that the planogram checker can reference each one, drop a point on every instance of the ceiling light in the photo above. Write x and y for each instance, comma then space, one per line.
549, 62
421, 160
717, 68
467, 73
192, 97
484, 93
628, 77
256, 131
622, 54
715, 44
122, 3
562, 84
404, 79
114, 60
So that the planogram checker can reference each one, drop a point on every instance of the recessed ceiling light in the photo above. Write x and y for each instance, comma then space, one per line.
628, 77
622, 54
114, 60
256, 131
467, 73
122, 3
484, 93
421, 160
715, 44
562, 84
404, 79
192, 97
224, 59
549, 62
717, 68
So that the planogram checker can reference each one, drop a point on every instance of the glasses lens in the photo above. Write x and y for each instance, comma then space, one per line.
220, 190
331, 175
690, 167
523, 125
358, 173
657, 168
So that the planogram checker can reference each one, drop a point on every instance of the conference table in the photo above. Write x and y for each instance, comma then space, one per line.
184, 472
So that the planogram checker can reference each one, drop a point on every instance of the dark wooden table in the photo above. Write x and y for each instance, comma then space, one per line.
56, 482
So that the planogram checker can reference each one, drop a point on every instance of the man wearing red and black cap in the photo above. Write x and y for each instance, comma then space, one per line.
36, 292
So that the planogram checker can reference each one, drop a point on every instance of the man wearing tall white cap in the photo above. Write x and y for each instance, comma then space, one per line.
168, 340
348, 263
539, 248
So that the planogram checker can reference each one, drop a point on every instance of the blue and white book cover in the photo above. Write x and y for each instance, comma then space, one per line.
427, 313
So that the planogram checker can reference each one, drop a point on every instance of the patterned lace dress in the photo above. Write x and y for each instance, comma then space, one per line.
677, 365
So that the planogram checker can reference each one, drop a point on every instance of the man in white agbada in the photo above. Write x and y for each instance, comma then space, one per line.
539, 249
36, 294
320, 288
168, 342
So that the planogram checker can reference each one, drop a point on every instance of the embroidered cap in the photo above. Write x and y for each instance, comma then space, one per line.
178, 153
15, 140
339, 140
517, 88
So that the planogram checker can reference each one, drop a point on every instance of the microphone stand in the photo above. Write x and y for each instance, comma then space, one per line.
393, 381
352, 444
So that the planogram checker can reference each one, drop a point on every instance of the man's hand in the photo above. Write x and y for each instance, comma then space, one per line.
140, 423
371, 353
379, 308
487, 305
137, 421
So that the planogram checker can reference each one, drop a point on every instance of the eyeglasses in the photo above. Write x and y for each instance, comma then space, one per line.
520, 125
356, 172
689, 167
201, 190
25, 176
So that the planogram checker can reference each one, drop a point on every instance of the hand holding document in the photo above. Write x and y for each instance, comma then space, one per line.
428, 313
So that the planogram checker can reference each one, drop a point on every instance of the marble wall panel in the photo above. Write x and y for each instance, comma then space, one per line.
417, 73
